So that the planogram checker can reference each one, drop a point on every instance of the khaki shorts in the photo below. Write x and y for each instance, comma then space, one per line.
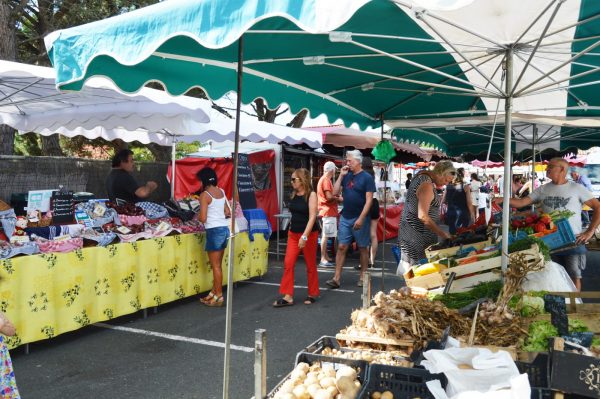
330, 225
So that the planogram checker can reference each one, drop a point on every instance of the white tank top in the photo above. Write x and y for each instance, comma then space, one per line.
215, 216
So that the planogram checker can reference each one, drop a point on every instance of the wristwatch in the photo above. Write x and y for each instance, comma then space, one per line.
304, 238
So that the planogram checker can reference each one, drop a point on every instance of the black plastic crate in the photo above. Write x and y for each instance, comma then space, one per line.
538, 371
325, 341
361, 366
322, 343
404, 383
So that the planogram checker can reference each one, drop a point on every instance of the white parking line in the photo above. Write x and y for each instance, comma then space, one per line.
296, 286
174, 337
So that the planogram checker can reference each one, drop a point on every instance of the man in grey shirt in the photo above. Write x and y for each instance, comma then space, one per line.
562, 194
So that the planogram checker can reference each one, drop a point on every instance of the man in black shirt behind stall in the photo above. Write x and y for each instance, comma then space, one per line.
121, 184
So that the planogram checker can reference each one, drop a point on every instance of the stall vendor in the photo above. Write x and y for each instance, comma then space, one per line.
121, 185
562, 194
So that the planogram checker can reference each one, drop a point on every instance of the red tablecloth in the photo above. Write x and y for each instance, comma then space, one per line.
393, 213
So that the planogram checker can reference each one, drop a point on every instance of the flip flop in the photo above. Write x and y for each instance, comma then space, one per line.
281, 303
333, 284
310, 300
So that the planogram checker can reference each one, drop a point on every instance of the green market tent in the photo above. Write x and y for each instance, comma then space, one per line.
359, 60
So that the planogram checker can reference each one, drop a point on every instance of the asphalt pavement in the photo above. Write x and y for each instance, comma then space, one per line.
178, 353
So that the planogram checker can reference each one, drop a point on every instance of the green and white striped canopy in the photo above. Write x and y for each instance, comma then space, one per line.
357, 60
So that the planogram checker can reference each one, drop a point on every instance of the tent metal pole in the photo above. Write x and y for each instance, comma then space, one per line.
385, 175
229, 304
173, 153
507, 158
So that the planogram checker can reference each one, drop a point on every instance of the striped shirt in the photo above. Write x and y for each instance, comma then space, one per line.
414, 237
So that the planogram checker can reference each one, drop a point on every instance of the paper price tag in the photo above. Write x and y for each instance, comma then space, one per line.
123, 230
99, 210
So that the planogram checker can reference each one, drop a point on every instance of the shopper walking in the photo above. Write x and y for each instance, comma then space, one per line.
215, 213
328, 210
302, 237
357, 188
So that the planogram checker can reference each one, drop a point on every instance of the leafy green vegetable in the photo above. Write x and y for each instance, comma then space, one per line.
526, 243
532, 306
576, 325
539, 333
457, 300
596, 342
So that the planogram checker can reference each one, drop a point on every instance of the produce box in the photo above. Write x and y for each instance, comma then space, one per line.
401, 381
451, 251
562, 237
467, 275
360, 366
574, 373
327, 344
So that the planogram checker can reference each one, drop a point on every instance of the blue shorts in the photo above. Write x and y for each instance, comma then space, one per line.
216, 238
346, 232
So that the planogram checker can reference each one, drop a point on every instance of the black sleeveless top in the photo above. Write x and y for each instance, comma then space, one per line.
299, 210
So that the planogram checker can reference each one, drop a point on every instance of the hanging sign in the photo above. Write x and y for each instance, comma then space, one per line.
245, 184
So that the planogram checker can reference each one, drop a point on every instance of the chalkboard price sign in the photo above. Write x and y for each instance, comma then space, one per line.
62, 207
245, 183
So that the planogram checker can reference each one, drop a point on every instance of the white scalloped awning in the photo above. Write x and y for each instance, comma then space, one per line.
29, 102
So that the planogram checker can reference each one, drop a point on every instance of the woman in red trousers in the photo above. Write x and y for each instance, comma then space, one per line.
303, 236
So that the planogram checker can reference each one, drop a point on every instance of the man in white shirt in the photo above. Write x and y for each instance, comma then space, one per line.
562, 194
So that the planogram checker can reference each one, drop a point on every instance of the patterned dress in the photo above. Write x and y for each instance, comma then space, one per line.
8, 384
414, 237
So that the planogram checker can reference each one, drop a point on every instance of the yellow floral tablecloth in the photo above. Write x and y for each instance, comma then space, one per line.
50, 294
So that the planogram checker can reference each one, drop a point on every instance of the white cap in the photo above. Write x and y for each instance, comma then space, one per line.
329, 166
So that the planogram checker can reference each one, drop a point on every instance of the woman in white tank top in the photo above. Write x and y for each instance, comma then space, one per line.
215, 213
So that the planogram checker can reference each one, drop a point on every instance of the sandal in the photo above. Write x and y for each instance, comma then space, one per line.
281, 303
212, 300
332, 284
310, 300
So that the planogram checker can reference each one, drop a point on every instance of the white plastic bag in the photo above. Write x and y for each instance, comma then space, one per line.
488, 371
553, 278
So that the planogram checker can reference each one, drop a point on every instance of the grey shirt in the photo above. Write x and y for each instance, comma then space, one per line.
569, 196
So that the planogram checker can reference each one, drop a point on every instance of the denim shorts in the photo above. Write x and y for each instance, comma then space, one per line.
346, 232
216, 238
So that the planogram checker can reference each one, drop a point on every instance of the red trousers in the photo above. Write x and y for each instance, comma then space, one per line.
310, 257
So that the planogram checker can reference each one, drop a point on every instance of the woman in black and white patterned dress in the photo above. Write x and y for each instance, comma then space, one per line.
420, 216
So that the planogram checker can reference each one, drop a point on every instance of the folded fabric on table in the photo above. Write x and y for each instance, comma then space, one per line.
153, 210
191, 226
257, 223
134, 237
69, 245
8, 220
127, 220
103, 239
8, 250
51, 232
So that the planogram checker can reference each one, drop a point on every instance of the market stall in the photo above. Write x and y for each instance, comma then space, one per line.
49, 294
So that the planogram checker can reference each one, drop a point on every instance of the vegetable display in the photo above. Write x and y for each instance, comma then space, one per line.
320, 382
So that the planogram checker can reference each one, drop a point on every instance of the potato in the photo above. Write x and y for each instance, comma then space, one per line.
329, 370
332, 390
298, 375
310, 380
327, 382
288, 396
376, 395
346, 372
301, 392
312, 389
302, 366
287, 387
322, 394
387, 395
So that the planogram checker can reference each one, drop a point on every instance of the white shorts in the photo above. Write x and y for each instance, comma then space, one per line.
329, 227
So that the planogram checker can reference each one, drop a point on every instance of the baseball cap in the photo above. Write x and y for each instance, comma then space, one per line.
329, 166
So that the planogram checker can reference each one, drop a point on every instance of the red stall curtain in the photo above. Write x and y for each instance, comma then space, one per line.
187, 183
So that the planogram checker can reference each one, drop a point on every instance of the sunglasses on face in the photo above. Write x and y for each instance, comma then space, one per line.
294, 179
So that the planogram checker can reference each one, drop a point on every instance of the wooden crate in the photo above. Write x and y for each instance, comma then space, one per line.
447, 252
469, 275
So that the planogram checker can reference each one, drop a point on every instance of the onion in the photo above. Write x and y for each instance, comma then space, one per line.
387, 395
